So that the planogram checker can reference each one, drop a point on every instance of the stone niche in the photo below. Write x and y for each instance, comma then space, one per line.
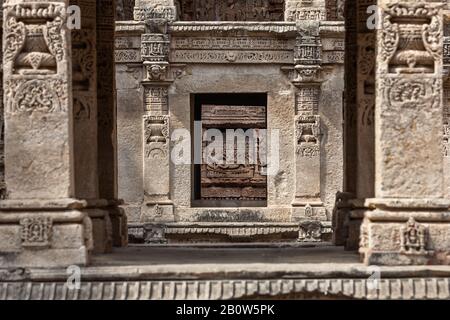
277, 76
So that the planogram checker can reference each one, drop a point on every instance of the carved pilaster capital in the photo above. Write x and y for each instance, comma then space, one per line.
301, 75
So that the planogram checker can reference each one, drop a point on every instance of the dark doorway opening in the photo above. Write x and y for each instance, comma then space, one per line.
240, 119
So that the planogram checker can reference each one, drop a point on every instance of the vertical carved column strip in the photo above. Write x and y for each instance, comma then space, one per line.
44, 226
405, 221
2, 119
155, 50
158, 206
308, 205
106, 117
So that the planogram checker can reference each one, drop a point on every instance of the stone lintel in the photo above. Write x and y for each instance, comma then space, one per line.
57, 216
42, 205
406, 204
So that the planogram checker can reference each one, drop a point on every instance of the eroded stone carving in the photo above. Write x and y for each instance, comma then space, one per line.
235, 180
156, 136
33, 41
408, 46
413, 238
36, 232
156, 98
308, 135
34, 96
232, 10
310, 231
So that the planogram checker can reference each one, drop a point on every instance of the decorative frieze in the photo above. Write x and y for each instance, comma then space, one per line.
216, 56
158, 12
230, 43
301, 13
242, 10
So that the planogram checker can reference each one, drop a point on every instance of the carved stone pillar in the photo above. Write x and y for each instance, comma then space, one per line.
107, 119
2, 123
84, 86
40, 223
408, 220
308, 207
158, 206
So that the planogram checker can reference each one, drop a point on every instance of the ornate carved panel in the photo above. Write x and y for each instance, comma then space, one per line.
36, 232
308, 135
231, 10
235, 179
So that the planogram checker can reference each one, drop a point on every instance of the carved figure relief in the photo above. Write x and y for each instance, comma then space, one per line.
36, 232
310, 231
234, 180
413, 238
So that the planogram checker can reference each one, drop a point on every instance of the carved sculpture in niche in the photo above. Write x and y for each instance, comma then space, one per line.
231, 10
413, 238
33, 41
36, 232
308, 135
156, 136
310, 231
411, 38
230, 178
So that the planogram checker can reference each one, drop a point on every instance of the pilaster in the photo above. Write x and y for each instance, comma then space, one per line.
408, 220
40, 224
157, 206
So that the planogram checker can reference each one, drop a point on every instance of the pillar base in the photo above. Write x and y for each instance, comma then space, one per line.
44, 233
406, 232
